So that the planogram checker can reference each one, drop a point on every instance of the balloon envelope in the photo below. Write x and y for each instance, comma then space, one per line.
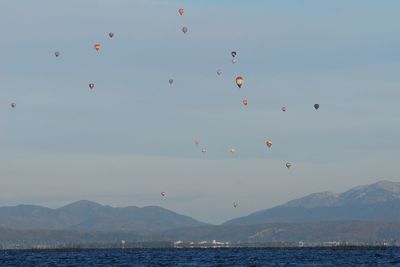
245, 102
91, 85
97, 47
171, 81
283, 109
181, 11
239, 81
184, 30
233, 54
219, 72
288, 165
13, 105
316, 106
57, 53
269, 143
111, 35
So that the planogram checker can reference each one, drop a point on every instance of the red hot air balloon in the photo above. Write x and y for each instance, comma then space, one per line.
181, 11
245, 102
239, 81
196, 142
269, 143
91, 86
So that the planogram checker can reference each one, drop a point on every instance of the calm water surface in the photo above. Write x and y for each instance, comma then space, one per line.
205, 257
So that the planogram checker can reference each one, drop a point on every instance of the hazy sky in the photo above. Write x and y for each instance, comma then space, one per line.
132, 136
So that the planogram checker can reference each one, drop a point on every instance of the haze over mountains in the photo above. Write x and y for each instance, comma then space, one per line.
370, 212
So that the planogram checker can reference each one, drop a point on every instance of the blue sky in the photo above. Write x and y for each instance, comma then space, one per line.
132, 137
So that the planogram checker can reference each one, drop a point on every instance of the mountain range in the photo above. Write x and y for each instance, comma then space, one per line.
376, 202
90, 216
363, 213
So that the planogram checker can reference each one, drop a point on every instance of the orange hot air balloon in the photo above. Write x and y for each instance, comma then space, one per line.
245, 102
181, 11
269, 143
97, 47
239, 81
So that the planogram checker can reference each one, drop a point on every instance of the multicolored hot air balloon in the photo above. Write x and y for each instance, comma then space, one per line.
239, 81
184, 30
269, 143
91, 86
13, 104
181, 11
316, 106
245, 102
97, 47
57, 53
288, 165
111, 34
283, 109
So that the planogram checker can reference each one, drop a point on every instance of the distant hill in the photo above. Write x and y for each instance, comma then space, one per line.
376, 202
90, 216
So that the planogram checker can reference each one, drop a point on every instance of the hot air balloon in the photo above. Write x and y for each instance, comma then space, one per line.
239, 81
232, 150
283, 109
184, 30
57, 53
233, 54
204, 151
316, 106
181, 11
13, 104
234, 60
171, 81
269, 143
91, 86
219, 72
288, 165
97, 47
235, 204
245, 102
111, 34
196, 142
163, 194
